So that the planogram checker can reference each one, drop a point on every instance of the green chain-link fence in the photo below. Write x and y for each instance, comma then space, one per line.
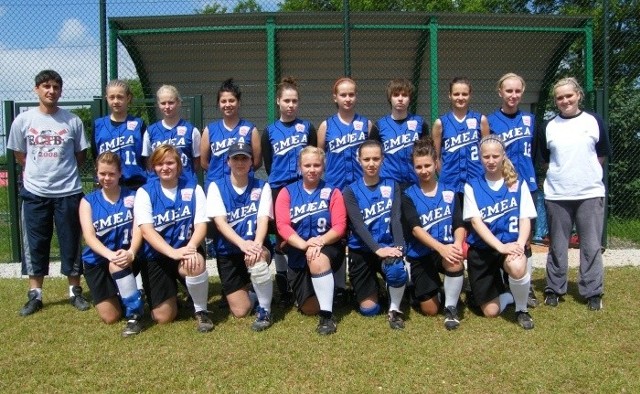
195, 45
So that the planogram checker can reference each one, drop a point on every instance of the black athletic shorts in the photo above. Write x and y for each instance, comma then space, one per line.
483, 268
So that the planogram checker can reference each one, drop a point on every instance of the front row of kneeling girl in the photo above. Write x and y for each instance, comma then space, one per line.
160, 232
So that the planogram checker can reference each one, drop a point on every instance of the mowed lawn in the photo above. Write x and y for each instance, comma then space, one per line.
571, 350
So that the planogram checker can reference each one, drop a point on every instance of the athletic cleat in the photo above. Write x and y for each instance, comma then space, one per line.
326, 326
532, 301
395, 320
451, 319
525, 320
133, 327
594, 303
204, 322
77, 300
263, 320
33, 305
551, 298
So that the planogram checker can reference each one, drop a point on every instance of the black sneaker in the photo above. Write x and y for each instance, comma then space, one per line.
204, 322
395, 320
77, 300
33, 304
551, 298
594, 303
532, 301
525, 320
263, 320
326, 326
133, 327
451, 319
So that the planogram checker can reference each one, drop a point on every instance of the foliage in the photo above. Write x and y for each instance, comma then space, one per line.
60, 348
241, 6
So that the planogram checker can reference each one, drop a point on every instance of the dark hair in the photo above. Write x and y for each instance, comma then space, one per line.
424, 147
399, 85
370, 143
287, 83
229, 86
461, 80
48, 75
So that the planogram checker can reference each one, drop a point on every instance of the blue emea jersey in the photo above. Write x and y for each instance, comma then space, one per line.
459, 150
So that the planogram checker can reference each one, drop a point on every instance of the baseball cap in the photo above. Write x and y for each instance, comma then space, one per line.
240, 148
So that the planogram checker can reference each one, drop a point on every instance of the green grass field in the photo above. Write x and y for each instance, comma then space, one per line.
570, 350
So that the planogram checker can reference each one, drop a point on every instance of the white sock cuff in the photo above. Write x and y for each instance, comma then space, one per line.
194, 280
524, 280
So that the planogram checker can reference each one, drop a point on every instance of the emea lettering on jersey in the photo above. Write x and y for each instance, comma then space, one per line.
435, 216
461, 140
493, 212
242, 213
515, 134
376, 210
104, 225
395, 144
346, 141
169, 217
178, 142
219, 148
292, 142
300, 212
116, 144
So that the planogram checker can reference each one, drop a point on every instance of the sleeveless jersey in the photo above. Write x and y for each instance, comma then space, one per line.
310, 216
397, 140
242, 212
459, 150
500, 211
173, 220
341, 147
220, 139
436, 217
181, 137
286, 143
125, 140
517, 134
375, 207
113, 223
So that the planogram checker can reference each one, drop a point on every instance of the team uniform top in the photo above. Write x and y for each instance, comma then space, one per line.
374, 215
459, 149
113, 223
568, 140
439, 215
220, 139
173, 212
397, 138
124, 139
341, 147
281, 145
184, 136
241, 206
517, 132
500, 207
308, 214
50, 143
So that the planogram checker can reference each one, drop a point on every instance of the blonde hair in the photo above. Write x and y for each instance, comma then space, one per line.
170, 89
109, 158
570, 81
509, 173
119, 83
509, 76
310, 149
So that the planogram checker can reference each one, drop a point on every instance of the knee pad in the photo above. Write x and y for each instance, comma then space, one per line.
370, 312
260, 272
133, 304
394, 272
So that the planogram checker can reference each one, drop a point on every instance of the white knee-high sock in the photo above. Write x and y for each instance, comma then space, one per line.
452, 289
520, 290
395, 297
323, 285
198, 287
126, 283
264, 292
505, 299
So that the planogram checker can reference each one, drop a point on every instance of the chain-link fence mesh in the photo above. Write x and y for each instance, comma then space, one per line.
259, 41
